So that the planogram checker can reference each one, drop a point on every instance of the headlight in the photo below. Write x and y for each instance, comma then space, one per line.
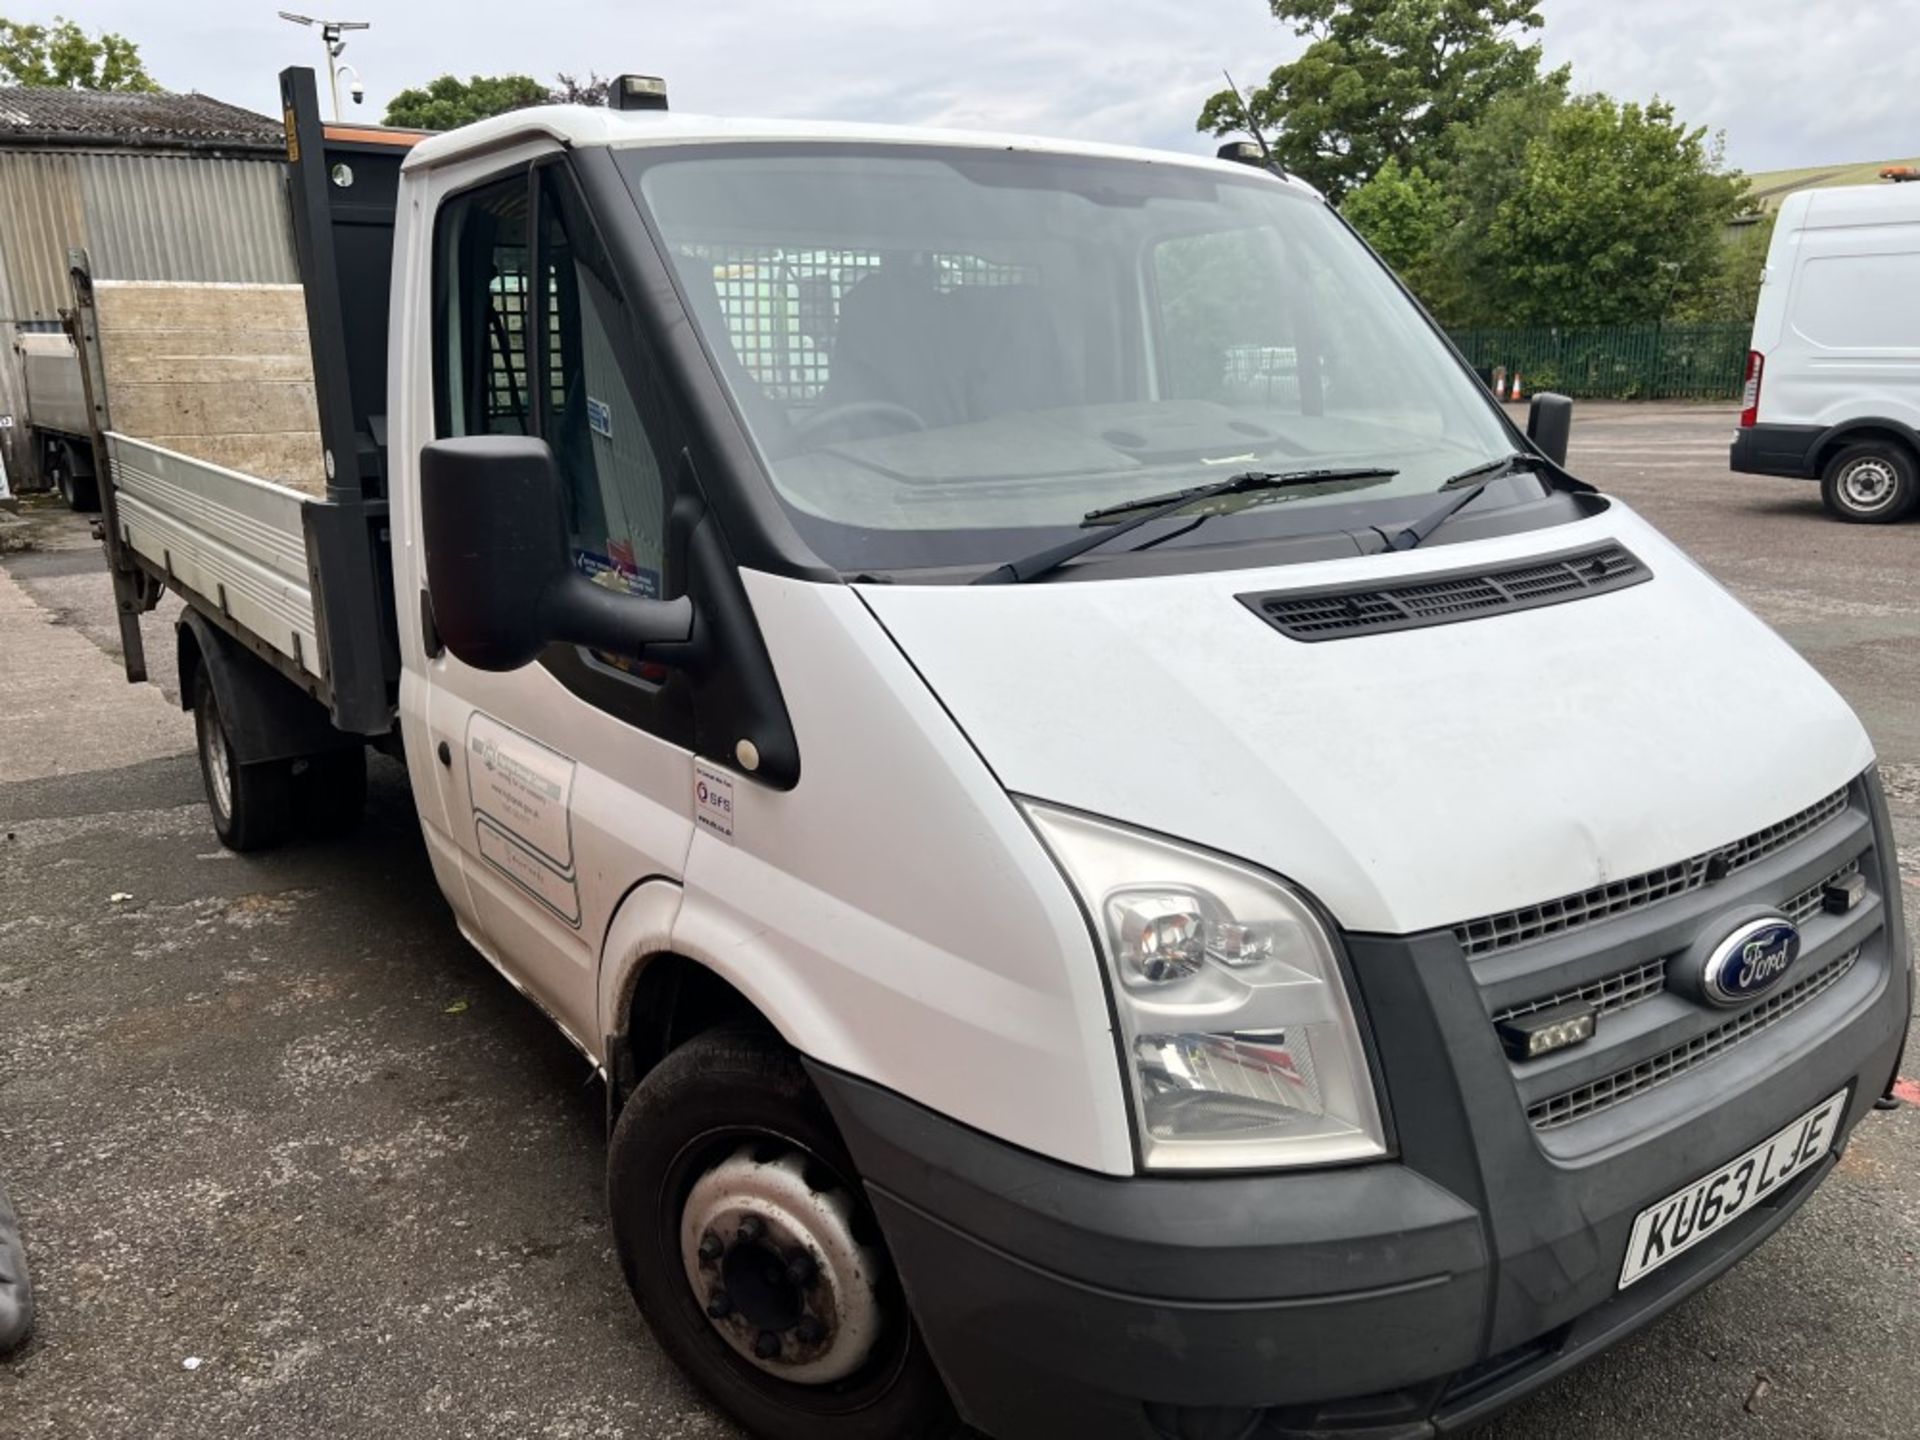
1241, 1046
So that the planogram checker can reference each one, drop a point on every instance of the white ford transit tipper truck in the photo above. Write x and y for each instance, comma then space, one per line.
1833, 376
1133, 856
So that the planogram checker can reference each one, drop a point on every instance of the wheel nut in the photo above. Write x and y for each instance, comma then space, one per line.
809, 1331
751, 1229
802, 1271
710, 1247
766, 1345
720, 1306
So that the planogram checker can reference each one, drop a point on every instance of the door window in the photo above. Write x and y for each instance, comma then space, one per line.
616, 490
481, 315
533, 337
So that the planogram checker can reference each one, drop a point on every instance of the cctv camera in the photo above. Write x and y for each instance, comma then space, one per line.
359, 92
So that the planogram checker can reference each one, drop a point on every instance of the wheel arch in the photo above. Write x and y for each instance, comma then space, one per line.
189, 656
265, 717
1853, 432
654, 996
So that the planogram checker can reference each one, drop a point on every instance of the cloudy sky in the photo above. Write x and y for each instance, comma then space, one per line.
1791, 82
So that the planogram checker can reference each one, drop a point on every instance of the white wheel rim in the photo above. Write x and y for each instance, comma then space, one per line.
748, 1215
213, 741
1869, 483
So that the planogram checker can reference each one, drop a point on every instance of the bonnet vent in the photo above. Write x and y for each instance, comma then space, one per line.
1335, 614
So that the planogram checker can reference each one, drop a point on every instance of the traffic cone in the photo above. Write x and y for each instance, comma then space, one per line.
1499, 381
1519, 392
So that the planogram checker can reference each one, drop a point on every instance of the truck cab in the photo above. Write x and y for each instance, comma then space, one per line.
1132, 855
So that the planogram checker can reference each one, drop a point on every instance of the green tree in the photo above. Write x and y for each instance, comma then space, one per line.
63, 56
1410, 218
1735, 291
1556, 212
1384, 80
1444, 257
450, 101
1617, 213
571, 90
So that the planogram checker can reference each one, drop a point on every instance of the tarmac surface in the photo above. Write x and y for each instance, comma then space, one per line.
292, 1161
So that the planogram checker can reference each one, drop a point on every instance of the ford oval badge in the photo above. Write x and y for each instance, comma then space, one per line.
1750, 961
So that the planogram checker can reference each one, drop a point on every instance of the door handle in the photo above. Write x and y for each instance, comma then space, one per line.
429, 631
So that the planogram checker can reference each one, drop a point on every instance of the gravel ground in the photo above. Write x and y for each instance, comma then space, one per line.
293, 1162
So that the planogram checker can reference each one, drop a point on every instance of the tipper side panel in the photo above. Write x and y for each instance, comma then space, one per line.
221, 373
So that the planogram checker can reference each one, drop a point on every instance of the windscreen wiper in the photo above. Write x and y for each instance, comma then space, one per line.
1153, 507
1457, 498
1518, 460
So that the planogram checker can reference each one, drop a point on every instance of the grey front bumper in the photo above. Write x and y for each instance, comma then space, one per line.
1394, 1299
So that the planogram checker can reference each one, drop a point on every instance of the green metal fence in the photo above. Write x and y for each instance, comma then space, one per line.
1616, 362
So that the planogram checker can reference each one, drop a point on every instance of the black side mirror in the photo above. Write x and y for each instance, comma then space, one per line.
1550, 425
502, 584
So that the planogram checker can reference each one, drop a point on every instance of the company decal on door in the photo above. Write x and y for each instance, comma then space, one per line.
522, 796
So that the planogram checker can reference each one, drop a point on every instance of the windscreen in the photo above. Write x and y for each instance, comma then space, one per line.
946, 356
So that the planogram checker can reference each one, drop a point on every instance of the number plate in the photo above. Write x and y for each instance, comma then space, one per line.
1707, 1206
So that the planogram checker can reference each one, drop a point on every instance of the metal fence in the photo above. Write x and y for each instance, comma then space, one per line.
1616, 362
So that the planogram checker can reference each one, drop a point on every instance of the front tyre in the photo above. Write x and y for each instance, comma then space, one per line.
1871, 483
750, 1247
250, 804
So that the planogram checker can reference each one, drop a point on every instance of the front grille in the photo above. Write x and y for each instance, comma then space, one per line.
1624, 1085
1493, 933
1606, 995
1642, 982
1441, 599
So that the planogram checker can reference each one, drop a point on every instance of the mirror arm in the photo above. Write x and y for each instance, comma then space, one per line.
580, 612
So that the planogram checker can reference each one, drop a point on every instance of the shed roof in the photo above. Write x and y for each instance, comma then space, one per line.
1769, 187
34, 115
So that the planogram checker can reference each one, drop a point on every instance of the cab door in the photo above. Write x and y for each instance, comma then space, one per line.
563, 783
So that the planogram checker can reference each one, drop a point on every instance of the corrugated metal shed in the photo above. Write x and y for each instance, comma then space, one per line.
155, 187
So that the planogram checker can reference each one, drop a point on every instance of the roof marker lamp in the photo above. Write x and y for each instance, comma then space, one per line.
637, 92
1242, 1050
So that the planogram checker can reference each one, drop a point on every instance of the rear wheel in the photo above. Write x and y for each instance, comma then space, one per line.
250, 804
1871, 483
749, 1244
76, 489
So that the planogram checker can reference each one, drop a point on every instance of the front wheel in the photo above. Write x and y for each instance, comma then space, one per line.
1871, 483
750, 1247
250, 804
16, 1293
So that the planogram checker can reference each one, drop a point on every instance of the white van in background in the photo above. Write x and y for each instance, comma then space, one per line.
1833, 375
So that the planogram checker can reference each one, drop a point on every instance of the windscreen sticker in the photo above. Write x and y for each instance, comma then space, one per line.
599, 417
617, 571
523, 788
713, 801
559, 893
